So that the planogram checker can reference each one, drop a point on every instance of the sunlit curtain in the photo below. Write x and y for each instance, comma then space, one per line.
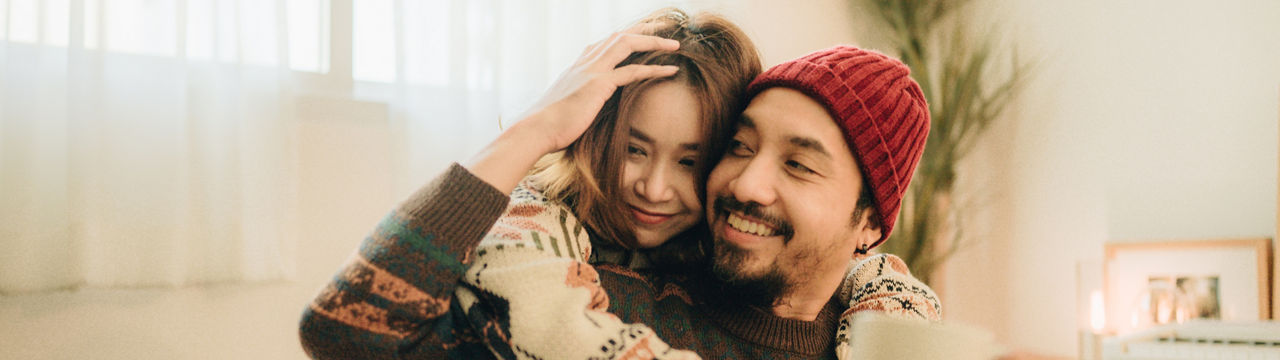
154, 142
145, 143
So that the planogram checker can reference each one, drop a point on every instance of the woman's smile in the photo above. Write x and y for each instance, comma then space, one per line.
650, 217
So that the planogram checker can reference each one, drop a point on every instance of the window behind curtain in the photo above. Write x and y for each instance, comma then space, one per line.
156, 143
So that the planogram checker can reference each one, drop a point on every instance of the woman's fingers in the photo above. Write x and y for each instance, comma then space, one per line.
575, 98
626, 44
609, 52
642, 28
636, 72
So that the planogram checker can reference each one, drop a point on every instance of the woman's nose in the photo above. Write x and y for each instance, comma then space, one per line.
654, 186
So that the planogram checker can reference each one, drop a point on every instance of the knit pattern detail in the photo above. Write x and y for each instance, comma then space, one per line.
421, 288
402, 278
881, 110
534, 261
882, 283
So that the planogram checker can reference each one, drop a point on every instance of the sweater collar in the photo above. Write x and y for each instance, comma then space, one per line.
766, 329
611, 254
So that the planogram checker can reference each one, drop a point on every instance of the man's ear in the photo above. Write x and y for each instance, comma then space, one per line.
866, 231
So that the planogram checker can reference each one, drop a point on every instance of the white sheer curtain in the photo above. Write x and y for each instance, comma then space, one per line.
154, 142
144, 143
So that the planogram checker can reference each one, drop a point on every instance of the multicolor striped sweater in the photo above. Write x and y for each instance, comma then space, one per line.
462, 271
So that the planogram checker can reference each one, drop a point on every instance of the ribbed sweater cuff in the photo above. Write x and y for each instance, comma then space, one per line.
457, 206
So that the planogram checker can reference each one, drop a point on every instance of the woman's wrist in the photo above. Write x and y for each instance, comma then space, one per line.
533, 133
509, 158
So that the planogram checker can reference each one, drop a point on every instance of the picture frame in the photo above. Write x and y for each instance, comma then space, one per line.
1151, 283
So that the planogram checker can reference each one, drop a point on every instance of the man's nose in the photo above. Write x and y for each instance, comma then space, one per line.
755, 183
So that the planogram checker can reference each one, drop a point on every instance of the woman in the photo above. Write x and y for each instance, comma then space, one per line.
634, 178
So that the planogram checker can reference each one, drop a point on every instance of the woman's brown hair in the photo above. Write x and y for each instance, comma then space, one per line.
716, 61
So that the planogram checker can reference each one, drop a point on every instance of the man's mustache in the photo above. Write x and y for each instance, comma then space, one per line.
724, 204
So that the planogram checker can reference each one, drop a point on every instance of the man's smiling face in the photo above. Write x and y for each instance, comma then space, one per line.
782, 201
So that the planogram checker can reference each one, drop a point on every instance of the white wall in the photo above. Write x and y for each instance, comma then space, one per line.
1148, 120
787, 30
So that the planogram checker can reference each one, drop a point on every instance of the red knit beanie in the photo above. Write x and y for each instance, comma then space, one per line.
878, 106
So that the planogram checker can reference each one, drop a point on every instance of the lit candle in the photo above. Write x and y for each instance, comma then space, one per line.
1091, 339
1097, 312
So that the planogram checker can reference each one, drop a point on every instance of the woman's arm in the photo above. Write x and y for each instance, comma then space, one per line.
395, 293
882, 283
396, 297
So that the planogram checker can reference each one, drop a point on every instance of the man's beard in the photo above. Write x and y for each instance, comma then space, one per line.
728, 266
729, 262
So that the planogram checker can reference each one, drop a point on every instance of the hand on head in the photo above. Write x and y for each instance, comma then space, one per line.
573, 101
569, 106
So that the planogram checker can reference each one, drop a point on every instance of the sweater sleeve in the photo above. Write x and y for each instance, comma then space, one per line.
531, 269
394, 295
883, 283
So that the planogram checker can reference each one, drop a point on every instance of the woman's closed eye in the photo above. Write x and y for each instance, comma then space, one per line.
634, 150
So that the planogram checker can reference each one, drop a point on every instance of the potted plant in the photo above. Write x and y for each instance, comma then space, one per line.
960, 77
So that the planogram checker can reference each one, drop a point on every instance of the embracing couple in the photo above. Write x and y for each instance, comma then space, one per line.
664, 199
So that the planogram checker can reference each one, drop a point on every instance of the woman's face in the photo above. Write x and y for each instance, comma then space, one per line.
659, 179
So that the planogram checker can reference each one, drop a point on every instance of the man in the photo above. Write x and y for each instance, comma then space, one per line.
814, 174
814, 178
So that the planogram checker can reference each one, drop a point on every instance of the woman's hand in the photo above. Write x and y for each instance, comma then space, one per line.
573, 101
569, 106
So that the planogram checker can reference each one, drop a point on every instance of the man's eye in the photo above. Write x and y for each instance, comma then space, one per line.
796, 165
738, 148
687, 162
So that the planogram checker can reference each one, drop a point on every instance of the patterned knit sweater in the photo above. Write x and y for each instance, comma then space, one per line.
431, 282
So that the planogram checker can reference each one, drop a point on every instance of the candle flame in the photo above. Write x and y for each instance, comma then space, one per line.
1097, 312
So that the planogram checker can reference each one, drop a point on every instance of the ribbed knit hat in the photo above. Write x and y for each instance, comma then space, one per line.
879, 107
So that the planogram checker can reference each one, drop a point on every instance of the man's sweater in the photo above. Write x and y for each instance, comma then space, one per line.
408, 293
